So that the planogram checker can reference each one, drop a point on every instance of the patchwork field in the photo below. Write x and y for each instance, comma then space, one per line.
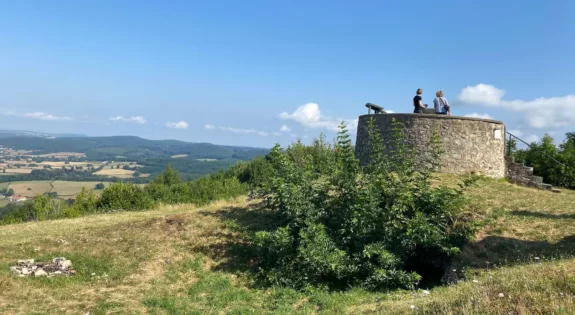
115, 173
188, 260
30, 188
64, 189
62, 155
18, 171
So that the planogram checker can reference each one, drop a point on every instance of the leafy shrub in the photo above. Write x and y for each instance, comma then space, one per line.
124, 196
350, 226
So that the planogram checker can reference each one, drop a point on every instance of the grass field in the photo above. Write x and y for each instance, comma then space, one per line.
188, 260
18, 171
62, 188
115, 172
4, 202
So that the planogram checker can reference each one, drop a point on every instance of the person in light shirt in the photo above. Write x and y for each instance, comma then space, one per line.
441, 105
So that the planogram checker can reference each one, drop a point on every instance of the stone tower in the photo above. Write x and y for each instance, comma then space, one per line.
469, 144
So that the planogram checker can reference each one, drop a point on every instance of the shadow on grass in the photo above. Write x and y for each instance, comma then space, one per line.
542, 215
504, 251
233, 251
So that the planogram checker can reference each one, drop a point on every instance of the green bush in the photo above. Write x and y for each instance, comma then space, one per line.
124, 196
372, 227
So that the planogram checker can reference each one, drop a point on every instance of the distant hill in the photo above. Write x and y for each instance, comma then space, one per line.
192, 160
24, 133
126, 147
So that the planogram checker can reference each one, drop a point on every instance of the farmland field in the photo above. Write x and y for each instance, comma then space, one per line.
177, 156
206, 160
18, 171
67, 188
62, 155
115, 172
37, 187
62, 188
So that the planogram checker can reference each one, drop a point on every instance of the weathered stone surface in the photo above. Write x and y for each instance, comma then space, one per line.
57, 267
470, 145
520, 174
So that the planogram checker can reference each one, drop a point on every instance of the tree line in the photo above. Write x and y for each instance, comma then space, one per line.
555, 163
167, 188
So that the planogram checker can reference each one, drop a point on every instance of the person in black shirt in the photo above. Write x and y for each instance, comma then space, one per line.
418, 106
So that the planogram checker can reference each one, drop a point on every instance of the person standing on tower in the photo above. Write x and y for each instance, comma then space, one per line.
417, 104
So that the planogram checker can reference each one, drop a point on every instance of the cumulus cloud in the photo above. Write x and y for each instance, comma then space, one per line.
543, 112
310, 116
531, 138
135, 119
38, 115
45, 116
516, 132
285, 128
209, 127
477, 115
177, 125
245, 131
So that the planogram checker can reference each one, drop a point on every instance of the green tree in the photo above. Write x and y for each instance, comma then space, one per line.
100, 186
168, 177
358, 226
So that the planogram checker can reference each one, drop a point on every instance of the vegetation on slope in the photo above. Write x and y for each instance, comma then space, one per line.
180, 259
556, 164
167, 188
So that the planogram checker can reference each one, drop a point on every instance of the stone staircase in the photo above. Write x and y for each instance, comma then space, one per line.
519, 174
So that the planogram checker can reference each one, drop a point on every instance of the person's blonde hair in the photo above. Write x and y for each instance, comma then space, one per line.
419, 91
439, 93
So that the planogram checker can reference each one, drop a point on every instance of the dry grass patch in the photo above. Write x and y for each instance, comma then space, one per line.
179, 156
115, 172
124, 251
18, 170
70, 188
31, 188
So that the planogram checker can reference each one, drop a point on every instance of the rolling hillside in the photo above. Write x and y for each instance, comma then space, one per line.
187, 260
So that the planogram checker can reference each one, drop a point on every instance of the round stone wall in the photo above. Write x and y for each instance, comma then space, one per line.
468, 144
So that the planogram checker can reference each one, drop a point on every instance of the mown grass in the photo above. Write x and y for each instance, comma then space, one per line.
188, 260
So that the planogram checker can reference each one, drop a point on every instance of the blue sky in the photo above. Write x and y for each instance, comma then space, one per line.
260, 72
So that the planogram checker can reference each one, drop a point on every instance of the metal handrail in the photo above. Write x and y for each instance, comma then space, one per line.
530, 145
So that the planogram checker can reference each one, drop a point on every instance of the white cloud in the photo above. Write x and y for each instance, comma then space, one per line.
293, 135
531, 138
285, 128
310, 116
516, 132
135, 119
177, 125
245, 131
541, 112
209, 127
477, 115
38, 115
44, 116
277, 134
389, 111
